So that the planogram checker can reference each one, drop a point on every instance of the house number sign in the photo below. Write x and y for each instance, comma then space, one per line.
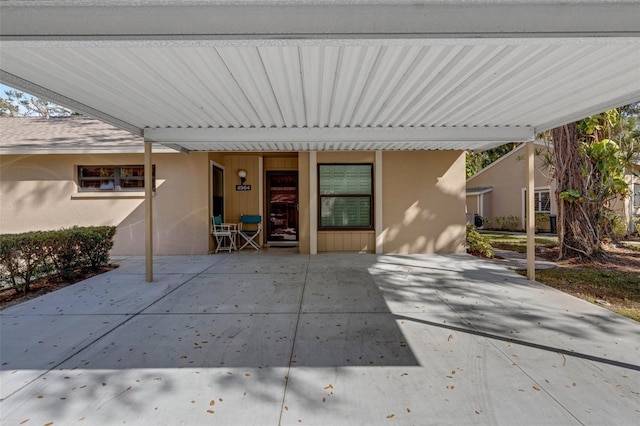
243, 187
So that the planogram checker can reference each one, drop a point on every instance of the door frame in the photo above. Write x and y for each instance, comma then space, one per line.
213, 164
267, 219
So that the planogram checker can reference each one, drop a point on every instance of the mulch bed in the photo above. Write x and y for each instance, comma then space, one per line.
9, 297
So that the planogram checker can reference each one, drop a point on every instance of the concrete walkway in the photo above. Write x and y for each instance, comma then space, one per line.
335, 339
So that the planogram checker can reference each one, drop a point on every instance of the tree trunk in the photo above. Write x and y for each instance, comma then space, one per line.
578, 217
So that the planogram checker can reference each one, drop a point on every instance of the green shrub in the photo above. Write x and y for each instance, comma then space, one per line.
95, 246
477, 244
501, 222
541, 219
513, 223
612, 226
31, 256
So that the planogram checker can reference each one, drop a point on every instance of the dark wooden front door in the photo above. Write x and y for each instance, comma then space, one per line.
282, 207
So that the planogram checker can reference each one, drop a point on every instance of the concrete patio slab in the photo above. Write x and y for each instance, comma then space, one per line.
342, 339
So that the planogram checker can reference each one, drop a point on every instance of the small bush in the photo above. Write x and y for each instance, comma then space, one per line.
477, 244
32, 256
612, 226
513, 223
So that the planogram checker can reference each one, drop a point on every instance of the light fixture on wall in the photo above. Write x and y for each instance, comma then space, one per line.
242, 174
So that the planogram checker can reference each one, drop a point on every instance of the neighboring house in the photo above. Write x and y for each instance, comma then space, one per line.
497, 193
71, 171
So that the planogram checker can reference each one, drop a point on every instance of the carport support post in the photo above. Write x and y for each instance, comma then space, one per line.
148, 196
531, 252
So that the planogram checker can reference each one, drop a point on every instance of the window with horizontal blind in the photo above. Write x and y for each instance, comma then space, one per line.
112, 178
542, 202
346, 196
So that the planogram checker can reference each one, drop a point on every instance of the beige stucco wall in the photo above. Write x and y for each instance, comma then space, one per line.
472, 204
423, 205
507, 177
39, 192
424, 202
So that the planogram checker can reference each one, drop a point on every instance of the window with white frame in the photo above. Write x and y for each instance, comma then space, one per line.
542, 201
112, 178
636, 194
346, 196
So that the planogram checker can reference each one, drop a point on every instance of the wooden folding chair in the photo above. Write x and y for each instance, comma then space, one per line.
248, 229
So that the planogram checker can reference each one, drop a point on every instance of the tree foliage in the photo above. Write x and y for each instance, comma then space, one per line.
17, 104
590, 159
477, 161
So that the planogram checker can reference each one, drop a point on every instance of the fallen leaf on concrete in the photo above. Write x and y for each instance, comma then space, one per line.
390, 416
536, 388
330, 386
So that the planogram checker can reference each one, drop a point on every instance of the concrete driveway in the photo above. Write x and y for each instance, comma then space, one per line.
332, 339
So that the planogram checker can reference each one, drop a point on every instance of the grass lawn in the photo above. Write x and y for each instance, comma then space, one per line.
613, 283
618, 291
516, 242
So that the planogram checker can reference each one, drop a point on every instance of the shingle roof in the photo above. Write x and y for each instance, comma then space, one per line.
65, 135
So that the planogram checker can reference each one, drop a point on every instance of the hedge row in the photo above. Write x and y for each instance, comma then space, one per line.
33, 256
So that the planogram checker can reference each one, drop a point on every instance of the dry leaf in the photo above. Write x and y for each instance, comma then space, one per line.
324, 400
390, 416
286, 408
212, 403
574, 384
210, 411
477, 412
330, 386
408, 410
24, 421
247, 374
536, 388
450, 337
48, 424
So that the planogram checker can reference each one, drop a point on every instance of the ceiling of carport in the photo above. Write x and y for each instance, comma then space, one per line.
364, 90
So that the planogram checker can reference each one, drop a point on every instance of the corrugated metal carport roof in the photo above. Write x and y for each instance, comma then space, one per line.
326, 75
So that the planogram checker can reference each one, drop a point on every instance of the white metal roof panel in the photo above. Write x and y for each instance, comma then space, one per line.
489, 79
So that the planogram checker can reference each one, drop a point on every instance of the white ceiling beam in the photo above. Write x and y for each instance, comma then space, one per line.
425, 134
318, 18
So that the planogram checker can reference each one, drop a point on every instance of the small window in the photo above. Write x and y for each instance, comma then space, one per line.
346, 196
112, 178
542, 202
636, 195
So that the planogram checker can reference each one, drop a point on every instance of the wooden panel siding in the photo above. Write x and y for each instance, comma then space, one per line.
364, 241
273, 163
